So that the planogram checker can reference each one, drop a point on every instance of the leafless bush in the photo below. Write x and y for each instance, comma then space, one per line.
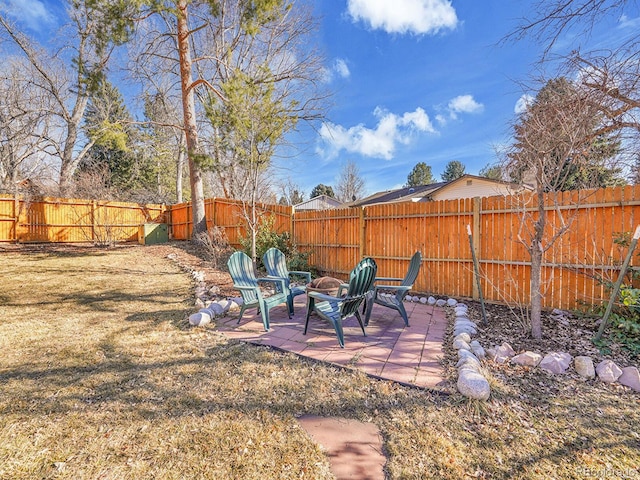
216, 245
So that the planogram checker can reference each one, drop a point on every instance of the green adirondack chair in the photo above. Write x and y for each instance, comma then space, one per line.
245, 281
336, 309
395, 302
276, 265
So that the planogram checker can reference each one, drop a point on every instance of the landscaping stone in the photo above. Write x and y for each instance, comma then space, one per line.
199, 319
608, 371
416, 299
463, 336
464, 329
461, 312
556, 362
431, 300
630, 378
477, 349
408, 298
441, 302
199, 303
216, 308
452, 302
473, 385
584, 366
460, 321
467, 354
225, 304
503, 353
423, 300
468, 360
461, 344
527, 359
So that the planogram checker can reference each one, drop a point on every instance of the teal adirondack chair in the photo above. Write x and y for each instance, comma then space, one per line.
395, 302
336, 309
245, 281
276, 265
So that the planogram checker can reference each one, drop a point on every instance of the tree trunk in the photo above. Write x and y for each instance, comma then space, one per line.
536, 268
190, 126
180, 168
536, 293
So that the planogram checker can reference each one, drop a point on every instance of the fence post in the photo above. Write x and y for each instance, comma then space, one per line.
476, 240
16, 217
93, 221
362, 233
292, 224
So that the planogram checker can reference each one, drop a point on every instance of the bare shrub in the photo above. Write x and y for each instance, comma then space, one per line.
216, 245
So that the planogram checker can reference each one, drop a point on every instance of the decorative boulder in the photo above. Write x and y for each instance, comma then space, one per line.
461, 312
527, 359
452, 302
441, 302
431, 300
608, 371
468, 360
216, 309
225, 304
463, 321
464, 329
473, 385
477, 349
630, 378
503, 353
199, 319
408, 298
461, 344
416, 298
463, 336
556, 362
584, 366
423, 300
467, 354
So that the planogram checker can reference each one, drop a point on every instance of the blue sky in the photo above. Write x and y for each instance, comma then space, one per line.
412, 81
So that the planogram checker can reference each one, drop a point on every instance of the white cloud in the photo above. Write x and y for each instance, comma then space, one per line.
341, 68
405, 16
32, 13
459, 104
523, 102
464, 104
380, 142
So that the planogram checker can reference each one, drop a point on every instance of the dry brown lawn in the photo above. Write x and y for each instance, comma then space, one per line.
101, 377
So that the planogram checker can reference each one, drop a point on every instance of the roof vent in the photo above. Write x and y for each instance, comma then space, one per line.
411, 190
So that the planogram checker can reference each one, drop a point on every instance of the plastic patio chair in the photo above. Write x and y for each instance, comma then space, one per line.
395, 301
276, 265
245, 281
336, 309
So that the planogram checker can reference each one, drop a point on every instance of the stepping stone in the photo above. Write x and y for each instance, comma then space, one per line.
354, 448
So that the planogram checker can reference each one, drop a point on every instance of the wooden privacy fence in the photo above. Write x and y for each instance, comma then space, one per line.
574, 266
227, 214
72, 220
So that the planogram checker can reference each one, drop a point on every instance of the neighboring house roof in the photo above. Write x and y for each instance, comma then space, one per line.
467, 186
321, 202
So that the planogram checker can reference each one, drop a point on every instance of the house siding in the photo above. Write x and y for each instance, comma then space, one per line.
478, 188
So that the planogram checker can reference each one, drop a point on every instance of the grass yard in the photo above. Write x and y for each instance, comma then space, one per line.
102, 378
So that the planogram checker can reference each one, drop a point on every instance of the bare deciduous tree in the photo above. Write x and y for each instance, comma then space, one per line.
95, 27
557, 144
350, 186
23, 128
